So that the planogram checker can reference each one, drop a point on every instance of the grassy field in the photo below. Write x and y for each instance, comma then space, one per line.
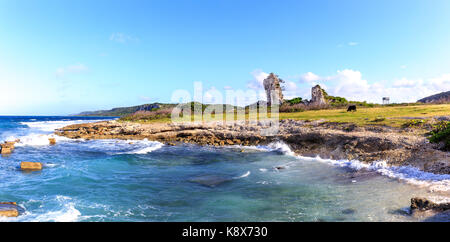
394, 116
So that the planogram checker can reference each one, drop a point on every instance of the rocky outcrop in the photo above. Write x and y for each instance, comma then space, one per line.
52, 141
328, 140
443, 97
6, 151
317, 96
30, 166
274, 93
424, 204
9, 209
7, 147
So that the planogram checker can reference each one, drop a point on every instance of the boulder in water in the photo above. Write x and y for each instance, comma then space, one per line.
424, 204
9, 209
8, 145
30, 166
52, 141
5, 151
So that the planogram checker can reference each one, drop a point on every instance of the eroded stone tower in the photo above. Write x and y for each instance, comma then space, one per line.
274, 93
317, 96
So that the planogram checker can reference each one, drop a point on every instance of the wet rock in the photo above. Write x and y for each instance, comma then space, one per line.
9, 209
6, 151
8, 145
52, 141
424, 204
30, 166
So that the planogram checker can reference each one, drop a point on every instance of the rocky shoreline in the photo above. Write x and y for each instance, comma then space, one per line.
397, 147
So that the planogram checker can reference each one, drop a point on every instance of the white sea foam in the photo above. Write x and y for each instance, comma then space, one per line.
68, 213
40, 131
34, 139
50, 126
145, 150
244, 175
409, 174
65, 212
121, 147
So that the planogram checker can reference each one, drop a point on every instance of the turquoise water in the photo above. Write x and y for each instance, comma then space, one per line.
109, 180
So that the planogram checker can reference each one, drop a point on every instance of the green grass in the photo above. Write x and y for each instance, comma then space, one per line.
391, 116
381, 115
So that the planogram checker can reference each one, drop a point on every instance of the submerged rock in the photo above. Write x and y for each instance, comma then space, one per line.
31, 166
210, 180
9, 209
348, 211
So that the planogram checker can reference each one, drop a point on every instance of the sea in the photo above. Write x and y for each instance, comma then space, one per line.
142, 180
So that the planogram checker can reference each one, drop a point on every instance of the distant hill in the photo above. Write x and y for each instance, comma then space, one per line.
122, 111
443, 97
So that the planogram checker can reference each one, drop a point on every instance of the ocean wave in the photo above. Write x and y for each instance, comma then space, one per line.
121, 147
65, 212
68, 213
34, 139
243, 175
153, 146
50, 126
409, 174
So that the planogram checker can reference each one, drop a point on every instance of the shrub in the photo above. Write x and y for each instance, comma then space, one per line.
286, 108
441, 133
148, 115
296, 100
413, 123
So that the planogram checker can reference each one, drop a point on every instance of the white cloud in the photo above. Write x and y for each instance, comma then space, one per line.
441, 82
309, 77
351, 85
258, 79
72, 69
353, 43
122, 38
407, 83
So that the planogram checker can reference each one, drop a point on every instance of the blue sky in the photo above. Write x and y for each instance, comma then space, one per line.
63, 57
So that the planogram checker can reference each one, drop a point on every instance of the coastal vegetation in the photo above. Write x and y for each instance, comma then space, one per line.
441, 133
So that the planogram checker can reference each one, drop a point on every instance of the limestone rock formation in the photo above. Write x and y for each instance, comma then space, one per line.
30, 166
52, 141
5, 151
9, 209
317, 96
274, 93
423, 204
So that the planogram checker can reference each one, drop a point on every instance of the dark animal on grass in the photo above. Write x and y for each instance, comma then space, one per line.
351, 108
